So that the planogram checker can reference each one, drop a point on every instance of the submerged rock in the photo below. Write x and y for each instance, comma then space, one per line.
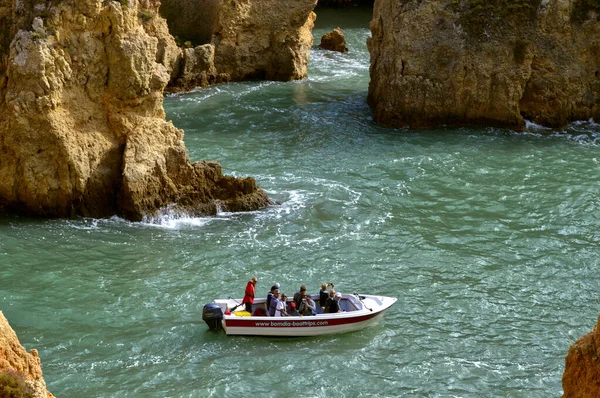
83, 129
581, 378
334, 41
468, 62
18, 364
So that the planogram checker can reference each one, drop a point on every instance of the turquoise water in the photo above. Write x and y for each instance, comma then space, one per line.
489, 239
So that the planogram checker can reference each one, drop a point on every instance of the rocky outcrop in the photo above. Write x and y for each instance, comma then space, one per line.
83, 129
581, 378
17, 362
471, 62
241, 39
193, 20
334, 41
335, 3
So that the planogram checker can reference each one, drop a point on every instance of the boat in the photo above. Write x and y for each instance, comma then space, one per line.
358, 311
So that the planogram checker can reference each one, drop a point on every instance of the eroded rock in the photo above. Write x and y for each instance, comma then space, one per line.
250, 39
16, 360
444, 62
334, 41
335, 3
581, 378
83, 129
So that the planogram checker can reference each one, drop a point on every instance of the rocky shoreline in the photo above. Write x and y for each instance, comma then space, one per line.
83, 131
19, 368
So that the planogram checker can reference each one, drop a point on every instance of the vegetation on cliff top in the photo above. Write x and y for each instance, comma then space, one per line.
582, 8
12, 385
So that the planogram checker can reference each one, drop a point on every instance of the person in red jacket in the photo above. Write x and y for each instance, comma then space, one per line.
249, 295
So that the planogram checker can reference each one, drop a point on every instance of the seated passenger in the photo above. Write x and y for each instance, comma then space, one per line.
333, 302
273, 303
298, 295
292, 309
281, 306
270, 294
307, 305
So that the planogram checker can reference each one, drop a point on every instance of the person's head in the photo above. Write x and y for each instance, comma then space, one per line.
283, 297
274, 287
254, 280
331, 293
293, 305
324, 286
276, 293
338, 296
303, 294
302, 288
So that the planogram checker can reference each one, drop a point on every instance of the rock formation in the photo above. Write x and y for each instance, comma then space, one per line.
82, 128
335, 3
474, 62
241, 39
582, 367
334, 41
15, 360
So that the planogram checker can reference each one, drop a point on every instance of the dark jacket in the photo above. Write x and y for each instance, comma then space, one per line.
332, 306
323, 296
269, 298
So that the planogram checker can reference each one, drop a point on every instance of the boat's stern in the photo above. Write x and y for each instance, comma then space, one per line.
212, 314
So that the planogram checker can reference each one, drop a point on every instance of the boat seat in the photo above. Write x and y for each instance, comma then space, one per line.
344, 305
241, 313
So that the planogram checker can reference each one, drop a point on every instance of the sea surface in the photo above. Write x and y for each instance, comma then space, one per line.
490, 240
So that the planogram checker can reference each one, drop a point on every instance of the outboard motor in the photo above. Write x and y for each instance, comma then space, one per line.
212, 314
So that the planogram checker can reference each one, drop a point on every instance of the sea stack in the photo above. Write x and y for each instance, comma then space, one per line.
241, 40
334, 41
83, 130
486, 63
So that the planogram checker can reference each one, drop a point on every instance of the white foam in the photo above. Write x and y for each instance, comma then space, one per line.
529, 125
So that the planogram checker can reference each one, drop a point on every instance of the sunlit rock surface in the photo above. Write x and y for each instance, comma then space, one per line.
334, 41
241, 40
498, 63
16, 360
82, 128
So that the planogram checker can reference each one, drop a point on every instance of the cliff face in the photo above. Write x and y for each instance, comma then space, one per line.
473, 62
83, 129
241, 39
14, 358
268, 39
335, 3
582, 367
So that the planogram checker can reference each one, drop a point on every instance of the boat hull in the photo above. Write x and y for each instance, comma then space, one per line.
298, 326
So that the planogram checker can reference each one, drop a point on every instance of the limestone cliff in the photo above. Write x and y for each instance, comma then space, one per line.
582, 367
237, 40
475, 62
82, 128
16, 360
336, 3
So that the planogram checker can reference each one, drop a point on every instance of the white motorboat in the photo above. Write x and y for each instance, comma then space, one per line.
358, 311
